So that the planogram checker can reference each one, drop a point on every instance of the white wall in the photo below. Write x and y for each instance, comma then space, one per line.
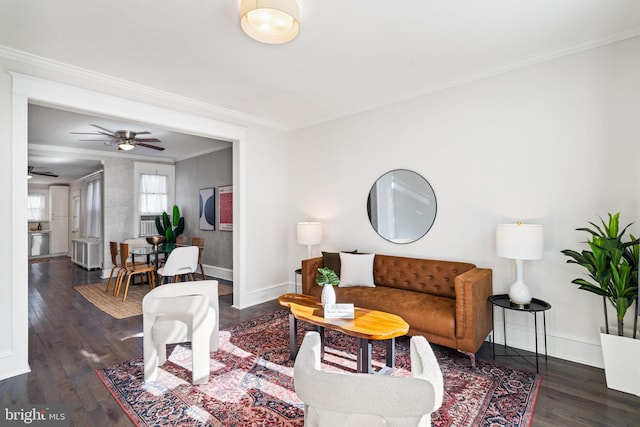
556, 144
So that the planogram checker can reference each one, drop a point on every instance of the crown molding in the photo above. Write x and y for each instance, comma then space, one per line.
72, 70
490, 72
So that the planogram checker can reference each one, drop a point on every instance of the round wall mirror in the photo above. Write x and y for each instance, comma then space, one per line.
401, 206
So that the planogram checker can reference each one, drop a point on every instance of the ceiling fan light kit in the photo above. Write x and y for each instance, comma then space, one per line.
270, 21
125, 146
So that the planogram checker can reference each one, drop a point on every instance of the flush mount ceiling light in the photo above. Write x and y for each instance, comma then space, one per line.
125, 145
270, 21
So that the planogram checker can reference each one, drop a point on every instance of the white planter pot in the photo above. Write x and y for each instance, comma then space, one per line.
621, 356
328, 295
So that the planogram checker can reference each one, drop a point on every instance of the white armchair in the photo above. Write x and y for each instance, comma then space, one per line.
334, 399
177, 313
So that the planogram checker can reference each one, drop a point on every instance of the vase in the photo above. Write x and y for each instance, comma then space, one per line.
328, 295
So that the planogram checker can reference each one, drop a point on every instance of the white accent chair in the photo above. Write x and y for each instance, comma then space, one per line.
182, 260
178, 313
337, 399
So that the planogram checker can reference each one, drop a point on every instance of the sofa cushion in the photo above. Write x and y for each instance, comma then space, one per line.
356, 270
332, 260
419, 275
423, 312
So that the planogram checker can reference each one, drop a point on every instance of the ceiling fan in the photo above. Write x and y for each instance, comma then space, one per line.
31, 172
126, 139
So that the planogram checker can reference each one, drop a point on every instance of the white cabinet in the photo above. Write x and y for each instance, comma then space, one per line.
59, 239
87, 252
59, 219
58, 201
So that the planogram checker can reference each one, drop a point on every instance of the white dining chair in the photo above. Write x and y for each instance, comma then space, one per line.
182, 261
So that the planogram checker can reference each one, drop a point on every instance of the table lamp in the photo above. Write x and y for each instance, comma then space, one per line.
520, 242
309, 233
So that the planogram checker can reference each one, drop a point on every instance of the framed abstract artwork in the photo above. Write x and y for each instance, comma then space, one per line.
207, 209
225, 204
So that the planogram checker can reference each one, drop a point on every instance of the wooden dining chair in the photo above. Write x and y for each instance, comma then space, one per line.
181, 240
131, 270
117, 265
199, 242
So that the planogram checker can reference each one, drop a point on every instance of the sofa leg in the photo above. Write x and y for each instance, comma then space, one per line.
472, 356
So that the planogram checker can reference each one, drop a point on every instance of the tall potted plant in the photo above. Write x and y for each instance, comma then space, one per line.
612, 267
172, 227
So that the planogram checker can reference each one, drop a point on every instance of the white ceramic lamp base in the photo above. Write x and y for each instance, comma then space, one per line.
519, 293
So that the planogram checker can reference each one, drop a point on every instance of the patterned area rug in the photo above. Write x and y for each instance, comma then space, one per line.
105, 301
251, 382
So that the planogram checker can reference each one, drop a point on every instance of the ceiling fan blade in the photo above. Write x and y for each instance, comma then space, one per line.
144, 132
147, 140
49, 174
111, 133
142, 144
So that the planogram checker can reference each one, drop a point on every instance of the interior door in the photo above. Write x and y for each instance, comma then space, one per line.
75, 215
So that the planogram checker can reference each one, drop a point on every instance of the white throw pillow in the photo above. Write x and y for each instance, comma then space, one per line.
356, 270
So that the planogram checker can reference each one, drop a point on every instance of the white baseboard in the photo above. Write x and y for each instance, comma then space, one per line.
573, 349
268, 294
11, 365
220, 272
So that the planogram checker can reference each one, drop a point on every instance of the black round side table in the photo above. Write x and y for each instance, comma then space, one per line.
534, 307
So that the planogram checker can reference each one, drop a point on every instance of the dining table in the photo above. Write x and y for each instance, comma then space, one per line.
163, 249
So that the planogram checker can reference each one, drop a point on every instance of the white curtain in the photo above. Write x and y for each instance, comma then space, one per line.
153, 194
93, 209
35, 207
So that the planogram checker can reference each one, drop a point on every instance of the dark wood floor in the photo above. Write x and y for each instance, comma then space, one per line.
69, 338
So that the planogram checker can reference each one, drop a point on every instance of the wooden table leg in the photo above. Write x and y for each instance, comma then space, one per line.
293, 337
391, 352
320, 330
364, 356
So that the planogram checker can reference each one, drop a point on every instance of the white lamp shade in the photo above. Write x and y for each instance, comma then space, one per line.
309, 233
270, 21
520, 241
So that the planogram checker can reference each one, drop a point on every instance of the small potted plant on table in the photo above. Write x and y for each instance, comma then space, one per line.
327, 278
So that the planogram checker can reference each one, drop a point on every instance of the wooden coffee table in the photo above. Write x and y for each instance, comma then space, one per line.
367, 326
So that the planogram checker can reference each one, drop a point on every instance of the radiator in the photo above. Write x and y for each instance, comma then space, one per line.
148, 228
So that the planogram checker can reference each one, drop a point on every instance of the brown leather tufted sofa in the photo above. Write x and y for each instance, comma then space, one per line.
445, 301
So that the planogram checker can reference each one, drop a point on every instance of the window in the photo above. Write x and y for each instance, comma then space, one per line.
153, 194
36, 207
93, 209
154, 190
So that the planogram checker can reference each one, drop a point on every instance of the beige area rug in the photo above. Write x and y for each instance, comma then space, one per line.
114, 307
